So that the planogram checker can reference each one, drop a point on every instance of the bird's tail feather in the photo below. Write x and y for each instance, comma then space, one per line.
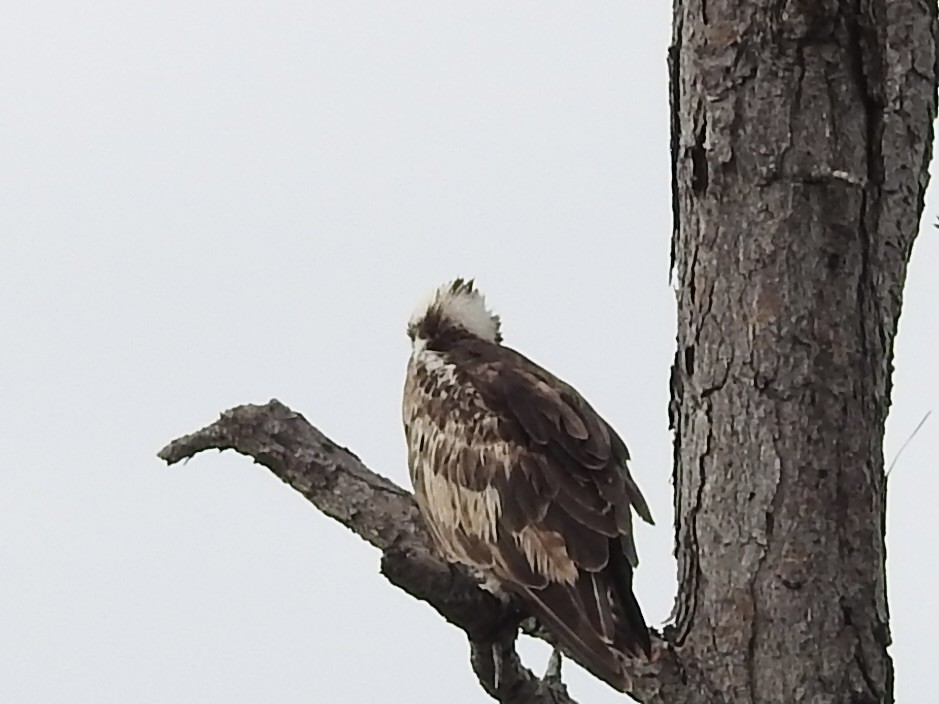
632, 634
557, 606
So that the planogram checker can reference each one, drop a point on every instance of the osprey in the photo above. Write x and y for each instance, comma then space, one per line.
519, 478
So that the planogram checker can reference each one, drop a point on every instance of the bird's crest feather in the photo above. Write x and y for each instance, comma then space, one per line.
455, 304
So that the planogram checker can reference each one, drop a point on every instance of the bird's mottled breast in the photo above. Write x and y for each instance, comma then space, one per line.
438, 393
453, 451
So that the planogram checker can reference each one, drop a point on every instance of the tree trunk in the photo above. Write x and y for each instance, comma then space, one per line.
801, 137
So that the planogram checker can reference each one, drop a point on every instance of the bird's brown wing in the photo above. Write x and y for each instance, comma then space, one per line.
565, 538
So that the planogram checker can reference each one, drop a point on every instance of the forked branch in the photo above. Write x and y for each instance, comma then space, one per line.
335, 481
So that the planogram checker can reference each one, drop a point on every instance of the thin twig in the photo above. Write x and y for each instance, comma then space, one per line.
907, 442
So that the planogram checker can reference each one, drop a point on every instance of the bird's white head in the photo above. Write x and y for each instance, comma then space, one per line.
453, 310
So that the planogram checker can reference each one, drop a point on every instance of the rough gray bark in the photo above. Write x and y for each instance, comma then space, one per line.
802, 133
801, 137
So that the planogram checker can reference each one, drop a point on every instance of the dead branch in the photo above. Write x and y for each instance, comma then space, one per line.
335, 481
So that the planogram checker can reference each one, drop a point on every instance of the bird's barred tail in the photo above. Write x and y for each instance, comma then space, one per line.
632, 633
562, 610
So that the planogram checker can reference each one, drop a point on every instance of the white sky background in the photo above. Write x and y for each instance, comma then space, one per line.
204, 204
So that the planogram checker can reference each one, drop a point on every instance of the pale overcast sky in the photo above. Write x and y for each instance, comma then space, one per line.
204, 204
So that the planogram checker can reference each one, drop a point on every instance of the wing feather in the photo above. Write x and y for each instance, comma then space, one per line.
595, 595
524, 502
561, 441
588, 548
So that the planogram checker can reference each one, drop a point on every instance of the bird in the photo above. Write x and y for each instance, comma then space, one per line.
518, 478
